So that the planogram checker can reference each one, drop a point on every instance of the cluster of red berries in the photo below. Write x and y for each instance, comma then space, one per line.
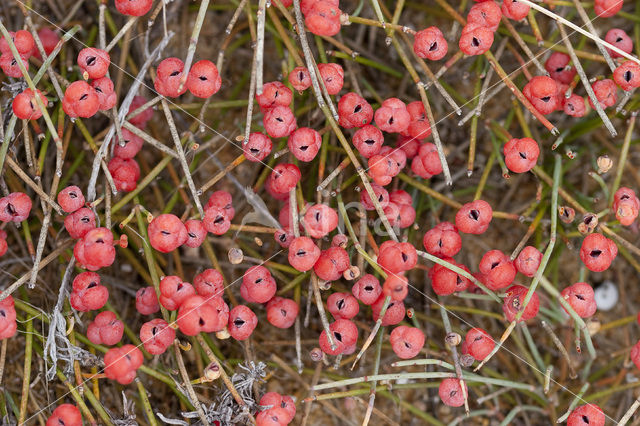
202, 81
626, 205
84, 99
26, 47
483, 20
277, 410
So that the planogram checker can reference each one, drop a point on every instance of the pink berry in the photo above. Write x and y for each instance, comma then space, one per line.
216, 220
147, 301
80, 222
257, 148
8, 324
284, 177
475, 39
25, 106
95, 250
581, 298
203, 80
65, 415
209, 283
258, 286
323, 18
597, 252
541, 91
605, 91
80, 100
427, 163
167, 233
282, 312
430, 44
343, 305
344, 334
396, 287
479, 343
443, 240
122, 363
49, 39
485, 14
451, 393
354, 111
367, 289
242, 322
23, 41
331, 263
514, 300
196, 233
156, 336
129, 146
419, 127
275, 416
105, 329
169, 76
557, 65
607, 8
626, 205
392, 116
300, 78
368, 140
319, 220
71, 199
513, 9
274, 94
304, 143
574, 105
274, 399
223, 200
474, 217
134, 7
93, 62
197, 314
303, 253
627, 75
382, 169
125, 172
395, 311
409, 145
406, 342
104, 88
173, 292
498, 270
397, 257
588, 414
528, 261
279, 121
333, 76
87, 294
444, 281
619, 39
521, 155
380, 193
140, 119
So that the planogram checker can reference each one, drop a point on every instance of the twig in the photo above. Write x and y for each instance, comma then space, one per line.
130, 22
561, 348
187, 383
259, 62
193, 42
574, 403
630, 412
454, 354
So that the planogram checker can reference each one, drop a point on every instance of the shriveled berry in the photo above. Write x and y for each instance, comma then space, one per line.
406, 342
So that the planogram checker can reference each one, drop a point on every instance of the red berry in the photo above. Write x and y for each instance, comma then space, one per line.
354, 111
80, 222
597, 252
65, 415
521, 155
513, 9
397, 257
368, 140
223, 200
557, 65
173, 292
627, 75
242, 322
93, 62
475, 39
300, 78
275, 416
443, 240
156, 336
427, 163
95, 250
125, 172
105, 329
258, 286
498, 270
605, 91
167, 81
323, 18
104, 88
129, 147
197, 314
257, 147
284, 177
419, 127
581, 298
574, 105
541, 91
343, 305
367, 289
71, 199
282, 312
626, 205
8, 324
140, 120
216, 220
274, 399
619, 39
381, 195
444, 281
588, 414
395, 311
122, 363
87, 293
409, 145
485, 14
400, 197
635, 354
319, 220
396, 287
134, 7
392, 116
23, 41
479, 343
474, 217
209, 283
451, 393
331, 263
25, 106
304, 143
430, 44
333, 76
80, 100
196, 233
203, 80
528, 261
344, 334
49, 39
167, 233
274, 94
279, 121
147, 301
3, 246
382, 169
406, 342
303, 253
607, 8
514, 300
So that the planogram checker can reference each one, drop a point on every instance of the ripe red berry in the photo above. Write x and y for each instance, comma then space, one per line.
528, 261
275, 416
167, 81
427, 163
173, 292
581, 297
104, 88
406, 342
521, 155
257, 147
304, 143
80, 100
597, 252
279, 121
156, 336
3, 246
303, 253
125, 173
344, 334
605, 91
626, 205
49, 39
331, 263
284, 177
197, 314
140, 120
319, 220
24, 105
354, 111
557, 65
627, 75
209, 283
392, 116
216, 220
485, 14
574, 104
395, 311
65, 415
93, 62
323, 18
513, 9
105, 329
513, 303
343, 305
122, 363
451, 393
274, 94
71, 199
443, 240
541, 91
607, 8
380, 193
203, 80
23, 41
498, 270
223, 200
382, 169
147, 301
396, 287
134, 7
409, 145
87, 293
300, 78
282, 312
95, 250
8, 324
619, 39
10, 65
474, 217
333, 76
367, 289
242, 322
444, 281
274, 399
196, 233
397, 257
588, 414
129, 146
419, 127
167, 233
475, 39
368, 140
479, 343
80, 222
258, 286
430, 44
